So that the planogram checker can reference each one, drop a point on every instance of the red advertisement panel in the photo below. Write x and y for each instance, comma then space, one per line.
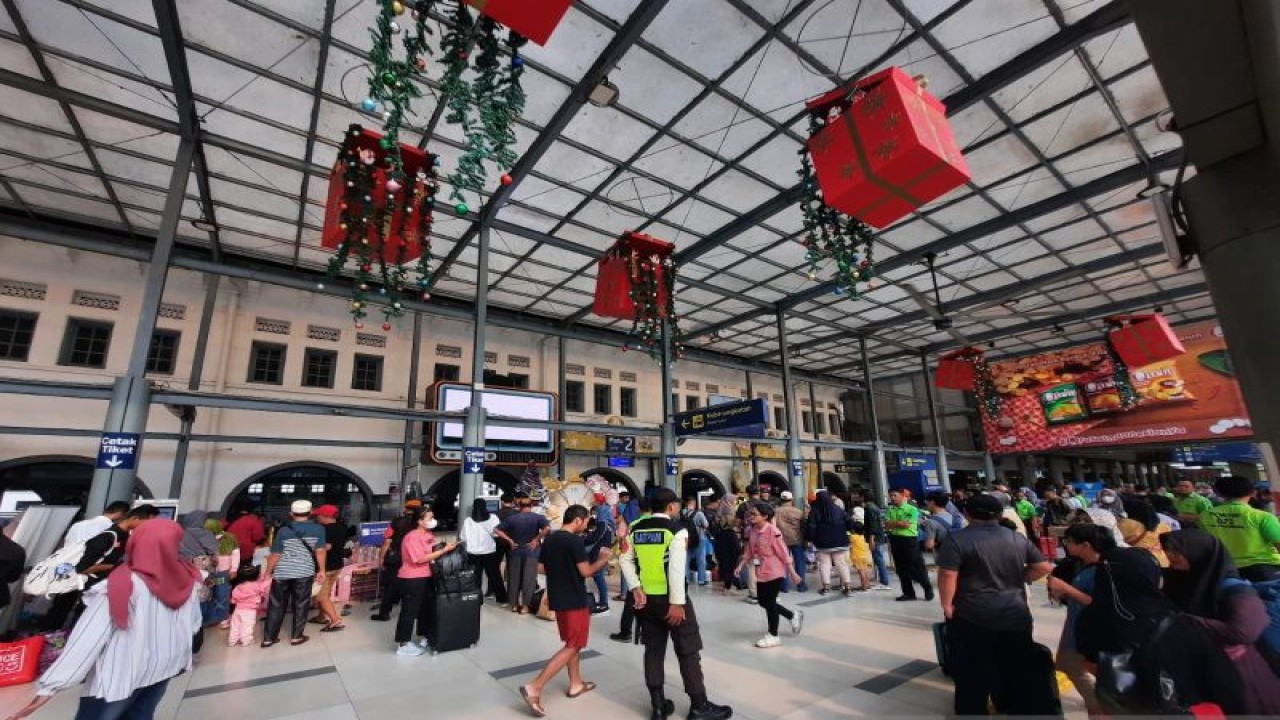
1068, 398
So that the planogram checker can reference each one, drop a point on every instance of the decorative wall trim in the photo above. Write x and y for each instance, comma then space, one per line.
328, 334
173, 311
625, 376
448, 351
573, 369
518, 361
491, 358
602, 373
372, 340
96, 300
23, 290
713, 389
691, 385
275, 327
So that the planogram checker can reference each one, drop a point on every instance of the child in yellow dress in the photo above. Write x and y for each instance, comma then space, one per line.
860, 551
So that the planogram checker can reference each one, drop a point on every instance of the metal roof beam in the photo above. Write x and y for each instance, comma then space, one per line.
317, 99
1111, 16
1098, 186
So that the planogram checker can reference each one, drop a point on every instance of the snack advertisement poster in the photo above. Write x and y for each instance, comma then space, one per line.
1068, 399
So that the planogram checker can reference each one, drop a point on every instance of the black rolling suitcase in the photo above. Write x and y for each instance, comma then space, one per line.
457, 621
1032, 689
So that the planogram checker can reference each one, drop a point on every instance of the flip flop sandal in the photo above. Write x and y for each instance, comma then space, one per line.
319, 621
334, 628
587, 687
299, 641
269, 643
533, 701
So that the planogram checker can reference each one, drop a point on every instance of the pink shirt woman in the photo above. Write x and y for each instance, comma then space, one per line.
765, 543
416, 551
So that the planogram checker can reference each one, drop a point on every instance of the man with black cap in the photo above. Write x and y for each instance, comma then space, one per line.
654, 565
983, 571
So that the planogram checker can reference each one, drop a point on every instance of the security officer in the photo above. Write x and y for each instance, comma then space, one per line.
654, 565
902, 520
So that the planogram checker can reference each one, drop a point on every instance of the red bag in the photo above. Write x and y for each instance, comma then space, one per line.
1048, 548
20, 661
956, 370
1145, 339
534, 19
889, 152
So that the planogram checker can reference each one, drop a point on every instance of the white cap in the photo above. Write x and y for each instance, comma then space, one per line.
786, 495
300, 507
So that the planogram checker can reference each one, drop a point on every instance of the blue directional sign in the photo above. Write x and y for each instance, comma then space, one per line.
473, 460
673, 465
118, 451
1223, 452
625, 461
372, 534
721, 417
797, 468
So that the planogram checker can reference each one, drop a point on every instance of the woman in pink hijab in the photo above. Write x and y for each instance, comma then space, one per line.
149, 610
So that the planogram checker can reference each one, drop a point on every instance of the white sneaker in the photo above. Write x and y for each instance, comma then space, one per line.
423, 643
881, 587
797, 621
410, 649
769, 641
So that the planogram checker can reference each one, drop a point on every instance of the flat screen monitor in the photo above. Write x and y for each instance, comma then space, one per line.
522, 404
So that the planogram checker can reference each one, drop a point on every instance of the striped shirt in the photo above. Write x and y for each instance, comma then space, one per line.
156, 646
296, 545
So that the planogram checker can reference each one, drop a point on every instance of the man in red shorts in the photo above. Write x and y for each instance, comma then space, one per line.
564, 561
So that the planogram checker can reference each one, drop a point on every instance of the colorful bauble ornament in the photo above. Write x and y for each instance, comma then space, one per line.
369, 104
393, 186
461, 208
505, 179
386, 327
397, 8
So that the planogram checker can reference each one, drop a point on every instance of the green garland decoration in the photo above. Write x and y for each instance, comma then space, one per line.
831, 234
1120, 376
392, 81
984, 386
653, 283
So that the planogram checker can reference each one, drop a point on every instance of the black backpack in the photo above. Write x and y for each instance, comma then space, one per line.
687, 520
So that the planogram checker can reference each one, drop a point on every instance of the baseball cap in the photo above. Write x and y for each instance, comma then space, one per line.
786, 495
300, 507
985, 506
327, 511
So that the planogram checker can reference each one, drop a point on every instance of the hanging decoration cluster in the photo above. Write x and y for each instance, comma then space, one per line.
1120, 376
984, 387
830, 234
967, 369
636, 281
485, 107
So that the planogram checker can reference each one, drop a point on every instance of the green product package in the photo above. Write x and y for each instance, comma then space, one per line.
1063, 404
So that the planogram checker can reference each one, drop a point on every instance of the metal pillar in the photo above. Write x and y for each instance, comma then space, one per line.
879, 475
795, 461
989, 467
193, 384
755, 460
407, 457
130, 395
473, 432
944, 475
562, 387
817, 450
670, 462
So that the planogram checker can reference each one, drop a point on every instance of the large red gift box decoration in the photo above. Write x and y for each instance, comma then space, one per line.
534, 19
399, 237
956, 370
886, 149
1144, 339
20, 661
635, 259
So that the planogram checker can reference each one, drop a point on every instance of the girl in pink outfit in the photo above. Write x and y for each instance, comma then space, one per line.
249, 597
768, 552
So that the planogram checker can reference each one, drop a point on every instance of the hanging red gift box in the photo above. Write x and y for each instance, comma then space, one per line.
886, 150
956, 370
1144, 339
634, 259
400, 236
534, 19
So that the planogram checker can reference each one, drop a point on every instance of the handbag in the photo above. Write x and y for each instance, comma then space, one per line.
1129, 679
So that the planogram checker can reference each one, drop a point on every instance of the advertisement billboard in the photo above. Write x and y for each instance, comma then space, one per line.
1068, 399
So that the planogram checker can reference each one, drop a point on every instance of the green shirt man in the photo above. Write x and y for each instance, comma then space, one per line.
1025, 508
906, 512
1249, 535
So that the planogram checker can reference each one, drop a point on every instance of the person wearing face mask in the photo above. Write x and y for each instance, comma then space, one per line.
1108, 500
417, 587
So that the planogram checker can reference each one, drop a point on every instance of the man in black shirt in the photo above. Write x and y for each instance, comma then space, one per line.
564, 560
983, 571
335, 538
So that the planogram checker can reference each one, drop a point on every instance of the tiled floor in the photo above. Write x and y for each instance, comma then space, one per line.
861, 657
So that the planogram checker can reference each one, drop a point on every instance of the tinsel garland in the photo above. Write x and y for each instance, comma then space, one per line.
1120, 375
392, 85
379, 236
649, 276
496, 91
984, 386
829, 233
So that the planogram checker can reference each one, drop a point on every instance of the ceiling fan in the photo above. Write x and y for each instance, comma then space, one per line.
935, 309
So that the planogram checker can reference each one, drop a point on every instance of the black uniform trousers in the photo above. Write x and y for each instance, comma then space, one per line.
908, 560
654, 632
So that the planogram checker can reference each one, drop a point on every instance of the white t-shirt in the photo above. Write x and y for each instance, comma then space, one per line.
479, 535
85, 529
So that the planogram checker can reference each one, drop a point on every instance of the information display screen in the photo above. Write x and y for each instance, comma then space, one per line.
498, 404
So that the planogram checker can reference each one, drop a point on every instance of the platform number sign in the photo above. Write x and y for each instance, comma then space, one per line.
118, 451
615, 444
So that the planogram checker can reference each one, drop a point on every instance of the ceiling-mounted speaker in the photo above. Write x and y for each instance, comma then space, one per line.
1179, 248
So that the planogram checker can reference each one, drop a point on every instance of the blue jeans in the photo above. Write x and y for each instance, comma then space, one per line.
141, 705
602, 587
698, 559
801, 560
882, 568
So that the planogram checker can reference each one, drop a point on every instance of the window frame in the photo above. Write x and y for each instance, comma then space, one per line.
520, 381
258, 346
571, 387
379, 363
151, 357
692, 402
18, 317
442, 371
308, 354
596, 389
628, 402
74, 324
806, 422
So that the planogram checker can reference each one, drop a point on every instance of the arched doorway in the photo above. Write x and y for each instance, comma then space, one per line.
835, 483
274, 489
773, 481
57, 479
693, 482
443, 495
618, 480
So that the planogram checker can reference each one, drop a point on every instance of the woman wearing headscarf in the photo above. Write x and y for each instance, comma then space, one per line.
199, 547
1142, 529
218, 607
482, 549
1202, 581
828, 529
1110, 501
149, 610
1104, 518
1165, 510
